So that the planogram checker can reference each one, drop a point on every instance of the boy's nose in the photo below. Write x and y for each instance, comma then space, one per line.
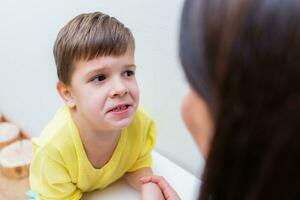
119, 89
120, 92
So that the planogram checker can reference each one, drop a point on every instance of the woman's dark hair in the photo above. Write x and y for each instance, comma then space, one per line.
243, 58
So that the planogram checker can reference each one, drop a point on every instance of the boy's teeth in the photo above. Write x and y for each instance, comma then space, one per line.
123, 107
117, 109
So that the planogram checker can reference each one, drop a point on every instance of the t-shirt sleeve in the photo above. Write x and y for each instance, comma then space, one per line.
145, 158
50, 179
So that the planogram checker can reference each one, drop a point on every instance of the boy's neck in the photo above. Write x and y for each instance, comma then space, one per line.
87, 133
100, 145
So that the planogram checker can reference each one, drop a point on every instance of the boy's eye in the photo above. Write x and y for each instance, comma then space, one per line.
99, 78
129, 73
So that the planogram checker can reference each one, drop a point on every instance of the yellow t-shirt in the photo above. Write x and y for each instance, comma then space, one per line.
60, 168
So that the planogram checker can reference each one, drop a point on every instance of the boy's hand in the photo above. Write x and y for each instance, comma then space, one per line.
168, 192
151, 191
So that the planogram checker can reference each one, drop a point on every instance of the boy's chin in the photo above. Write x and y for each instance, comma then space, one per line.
121, 124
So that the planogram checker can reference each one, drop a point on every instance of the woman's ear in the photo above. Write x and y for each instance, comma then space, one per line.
66, 94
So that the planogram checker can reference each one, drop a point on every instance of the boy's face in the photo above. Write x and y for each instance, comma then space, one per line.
105, 92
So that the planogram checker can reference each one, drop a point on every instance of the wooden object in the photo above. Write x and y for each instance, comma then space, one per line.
15, 159
14, 189
9, 133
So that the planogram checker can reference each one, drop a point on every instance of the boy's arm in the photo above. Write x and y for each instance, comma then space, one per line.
151, 191
50, 180
168, 192
142, 168
148, 190
142, 165
133, 178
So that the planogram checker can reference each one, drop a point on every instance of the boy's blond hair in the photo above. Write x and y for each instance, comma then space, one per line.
88, 36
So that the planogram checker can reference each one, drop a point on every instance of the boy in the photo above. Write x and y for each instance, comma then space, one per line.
99, 135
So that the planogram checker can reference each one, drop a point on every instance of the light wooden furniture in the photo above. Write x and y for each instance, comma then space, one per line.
14, 189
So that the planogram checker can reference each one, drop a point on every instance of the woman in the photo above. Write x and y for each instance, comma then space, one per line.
242, 61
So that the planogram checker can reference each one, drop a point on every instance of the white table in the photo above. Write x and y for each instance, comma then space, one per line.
186, 184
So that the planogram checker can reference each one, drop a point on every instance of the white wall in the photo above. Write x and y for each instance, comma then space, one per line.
28, 76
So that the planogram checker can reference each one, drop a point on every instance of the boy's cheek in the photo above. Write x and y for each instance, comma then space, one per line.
136, 93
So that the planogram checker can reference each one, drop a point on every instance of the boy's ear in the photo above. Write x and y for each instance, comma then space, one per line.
66, 94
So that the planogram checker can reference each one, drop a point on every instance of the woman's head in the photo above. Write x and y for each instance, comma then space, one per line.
242, 59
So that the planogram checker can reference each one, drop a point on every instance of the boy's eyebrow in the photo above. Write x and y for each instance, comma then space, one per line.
130, 66
93, 72
103, 69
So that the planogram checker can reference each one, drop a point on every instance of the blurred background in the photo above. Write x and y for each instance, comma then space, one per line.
28, 74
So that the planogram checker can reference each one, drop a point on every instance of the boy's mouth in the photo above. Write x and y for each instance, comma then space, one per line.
119, 108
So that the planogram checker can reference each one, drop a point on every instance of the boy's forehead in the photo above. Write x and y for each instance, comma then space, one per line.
127, 58
106, 63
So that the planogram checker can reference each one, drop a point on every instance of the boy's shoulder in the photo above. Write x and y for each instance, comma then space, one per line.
142, 116
57, 132
141, 129
141, 121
